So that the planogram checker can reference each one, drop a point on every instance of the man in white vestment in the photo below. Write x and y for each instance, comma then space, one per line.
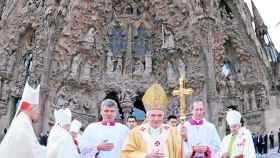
75, 132
20, 140
239, 143
203, 139
60, 142
104, 139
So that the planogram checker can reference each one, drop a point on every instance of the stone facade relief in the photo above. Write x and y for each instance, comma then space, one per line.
86, 71
88, 42
139, 68
5, 90
168, 39
141, 42
172, 76
92, 46
181, 68
110, 61
75, 67
127, 98
117, 42
148, 64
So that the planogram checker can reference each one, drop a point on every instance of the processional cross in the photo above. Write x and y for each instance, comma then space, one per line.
181, 92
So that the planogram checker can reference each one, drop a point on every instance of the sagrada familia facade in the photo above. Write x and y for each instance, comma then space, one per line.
82, 51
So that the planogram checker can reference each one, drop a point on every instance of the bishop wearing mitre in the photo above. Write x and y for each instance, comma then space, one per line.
153, 138
20, 140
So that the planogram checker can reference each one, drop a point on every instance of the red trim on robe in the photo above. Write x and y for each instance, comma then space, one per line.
24, 105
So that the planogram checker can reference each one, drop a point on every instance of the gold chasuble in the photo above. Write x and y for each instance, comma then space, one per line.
143, 139
140, 142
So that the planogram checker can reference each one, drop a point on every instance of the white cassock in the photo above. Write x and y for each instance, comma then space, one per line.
21, 141
61, 144
97, 133
203, 135
243, 144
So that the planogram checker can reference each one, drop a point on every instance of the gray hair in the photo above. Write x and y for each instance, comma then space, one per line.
109, 103
195, 101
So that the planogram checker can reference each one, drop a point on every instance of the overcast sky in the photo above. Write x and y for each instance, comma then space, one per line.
270, 12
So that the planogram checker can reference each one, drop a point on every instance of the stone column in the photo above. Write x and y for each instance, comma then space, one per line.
207, 45
128, 56
148, 64
253, 101
207, 27
44, 91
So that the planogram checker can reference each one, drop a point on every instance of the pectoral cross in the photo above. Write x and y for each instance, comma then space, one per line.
181, 92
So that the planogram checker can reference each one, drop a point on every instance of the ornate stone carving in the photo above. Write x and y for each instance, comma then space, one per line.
148, 64
139, 68
117, 42
168, 39
127, 98
142, 42
75, 67
79, 48
172, 77
86, 71
110, 62
5, 90
88, 41
181, 68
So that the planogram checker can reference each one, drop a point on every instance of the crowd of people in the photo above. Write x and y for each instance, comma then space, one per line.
195, 137
264, 142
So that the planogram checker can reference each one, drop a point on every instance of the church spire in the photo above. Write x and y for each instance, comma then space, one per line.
260, 27
264, 37
257, 17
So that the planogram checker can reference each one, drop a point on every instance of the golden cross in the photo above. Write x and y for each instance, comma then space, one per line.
181, 92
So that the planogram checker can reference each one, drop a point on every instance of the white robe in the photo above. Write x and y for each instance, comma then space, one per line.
243, 144
21, 141
61, 144
97, 133
205, 135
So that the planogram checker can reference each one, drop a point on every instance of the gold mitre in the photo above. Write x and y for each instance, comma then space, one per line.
155, 98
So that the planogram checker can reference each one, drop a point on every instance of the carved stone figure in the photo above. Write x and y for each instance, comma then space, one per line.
88, 40
86, 72
110, 62
117, 41
168, 40
172, 77
3, 63
148, 64
5, 90
61, 101
118, 65
181, 68
142, 41
139, 67
75, 66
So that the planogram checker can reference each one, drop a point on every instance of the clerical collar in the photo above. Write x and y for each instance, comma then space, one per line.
194, 122
154, 131
108, 123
